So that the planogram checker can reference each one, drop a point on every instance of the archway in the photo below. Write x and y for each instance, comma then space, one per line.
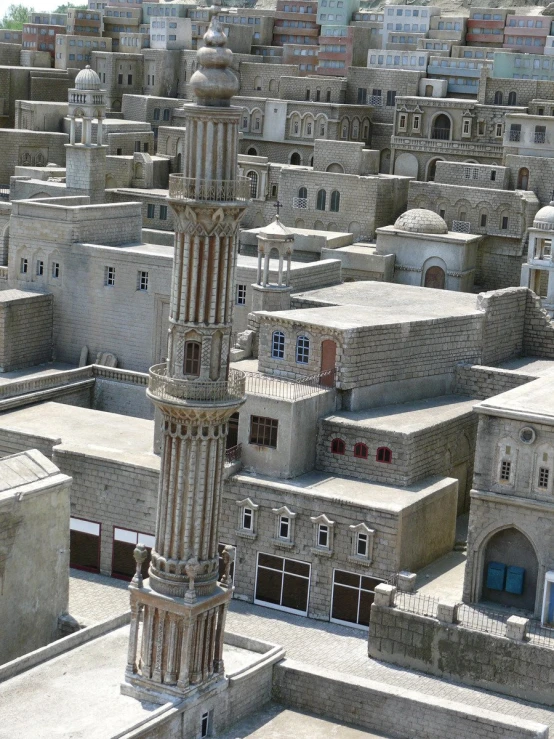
406, 165
441, 127
432, 169
295, 158
523, 179
510, 570
336, 168
435, 278
252, 152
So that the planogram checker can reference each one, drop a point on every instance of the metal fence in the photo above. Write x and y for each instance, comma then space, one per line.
422, 605
195, 390
189, 188
278, 387
233, 454
483, 619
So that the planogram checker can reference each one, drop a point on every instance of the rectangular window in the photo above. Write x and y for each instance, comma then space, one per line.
391, 98
24, 266
284, 527
142, 281
163, 212
150, 210
109, 276
323, 536
129, 79
302, 350
415, 124
40, 268
241, 295
247, 519
278, 345
505, 469
483, 220
282, 583
505, 221
544, 475
361, 545
205, 725
55, 270
263, 431
119, 79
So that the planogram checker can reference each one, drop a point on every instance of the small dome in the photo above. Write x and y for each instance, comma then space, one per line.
421, 221
276, 231
544, 218
87, 79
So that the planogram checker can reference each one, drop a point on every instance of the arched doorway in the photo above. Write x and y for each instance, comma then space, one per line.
179, 162
432, 169
252, 152
510, 570
523, 179
295, 159
384, 161
328, 362
441, 127
435, 278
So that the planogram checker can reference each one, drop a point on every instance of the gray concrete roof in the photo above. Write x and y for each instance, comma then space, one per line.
407, 418
24, 468
529, 366
77, 694
96, 433
533, 401
386, 498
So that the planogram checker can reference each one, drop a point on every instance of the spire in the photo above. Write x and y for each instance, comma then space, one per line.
213, 82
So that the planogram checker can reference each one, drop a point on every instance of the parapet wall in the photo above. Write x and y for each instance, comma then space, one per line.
483, 382
398, 712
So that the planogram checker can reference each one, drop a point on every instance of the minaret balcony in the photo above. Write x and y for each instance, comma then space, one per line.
195, 391
216, 191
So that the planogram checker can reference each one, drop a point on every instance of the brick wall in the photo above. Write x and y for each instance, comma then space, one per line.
454, 652
377, 707
25, 329
484, 382
538, 337
503, 308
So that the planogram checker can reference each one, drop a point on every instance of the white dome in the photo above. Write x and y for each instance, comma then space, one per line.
544, 218
421, 221
87, 79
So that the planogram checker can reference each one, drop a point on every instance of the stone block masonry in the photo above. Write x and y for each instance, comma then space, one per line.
484, 382
471, 657
396, 711
25, 329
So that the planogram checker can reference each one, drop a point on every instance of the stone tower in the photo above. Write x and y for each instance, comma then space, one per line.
86, 160
273, 239
182, 604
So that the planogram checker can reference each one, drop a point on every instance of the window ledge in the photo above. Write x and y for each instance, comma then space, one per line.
246, 534
364, 561
318, 551
282, 544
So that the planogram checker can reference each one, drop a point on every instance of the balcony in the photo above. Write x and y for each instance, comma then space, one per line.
443, 134
194, 391
218, 191
515, 136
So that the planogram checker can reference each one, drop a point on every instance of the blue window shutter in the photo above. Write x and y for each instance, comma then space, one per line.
514, 580
496, 575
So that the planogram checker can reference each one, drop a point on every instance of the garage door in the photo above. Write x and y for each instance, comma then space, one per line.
352, 598
84, 539
282, 583
123, 562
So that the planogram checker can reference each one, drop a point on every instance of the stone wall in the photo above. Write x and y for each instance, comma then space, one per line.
19, 147
451, 651
122, 398
377, 707
538, 338
504, 308
483, 382
26, 321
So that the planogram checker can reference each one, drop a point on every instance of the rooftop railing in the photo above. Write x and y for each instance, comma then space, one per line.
195, 390
189, 188
278, 387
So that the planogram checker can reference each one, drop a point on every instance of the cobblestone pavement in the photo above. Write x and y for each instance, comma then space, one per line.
313, 642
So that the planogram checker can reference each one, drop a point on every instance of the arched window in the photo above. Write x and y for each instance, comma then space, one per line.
321, 198
302, 350
302, 192
253, 183
295, 158
308, 129
360, 450
384, 454
498, 97
278, 345
335, 201
156, 114
512, 97
296, 128
192, 358
166, 114
338, 446
258, 83
441, 127
523, 179
252, 152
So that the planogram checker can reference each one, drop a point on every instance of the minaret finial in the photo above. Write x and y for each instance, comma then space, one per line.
213, 82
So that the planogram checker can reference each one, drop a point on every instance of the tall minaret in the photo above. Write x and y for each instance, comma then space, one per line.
182, 605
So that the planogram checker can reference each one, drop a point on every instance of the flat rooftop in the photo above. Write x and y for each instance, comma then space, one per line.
407, 418
386, 498
532, 401
529, 366
276, 722
78, 694
95, 433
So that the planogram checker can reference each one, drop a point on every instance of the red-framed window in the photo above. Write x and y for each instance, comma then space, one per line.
338, 446
384, 454
360, 450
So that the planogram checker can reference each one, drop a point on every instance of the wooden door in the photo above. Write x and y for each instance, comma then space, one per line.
328, 362
435, 277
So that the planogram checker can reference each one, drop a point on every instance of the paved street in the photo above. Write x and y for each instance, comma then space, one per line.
313, 642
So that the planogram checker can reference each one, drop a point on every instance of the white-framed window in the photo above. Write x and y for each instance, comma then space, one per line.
205, 724
416, 122
109, 276
247, 518
24, 266
278, 345
323, 534
302, 350
361, 543
402, 121
240, 295
284, 526
142, 281
543, 470
466, 127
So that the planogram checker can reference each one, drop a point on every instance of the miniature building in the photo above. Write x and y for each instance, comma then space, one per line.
538, 272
